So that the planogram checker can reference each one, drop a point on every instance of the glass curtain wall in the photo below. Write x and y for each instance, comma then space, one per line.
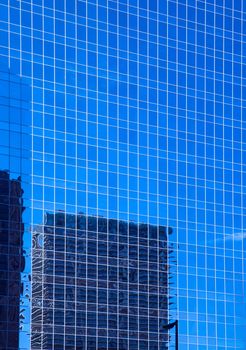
130, 110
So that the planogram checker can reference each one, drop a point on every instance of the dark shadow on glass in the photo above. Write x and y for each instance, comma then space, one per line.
12, 261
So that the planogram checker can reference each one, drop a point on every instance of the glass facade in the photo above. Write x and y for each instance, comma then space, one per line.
127, 116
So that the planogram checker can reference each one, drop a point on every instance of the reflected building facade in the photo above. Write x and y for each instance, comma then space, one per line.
11, 259
131, 111
99, 284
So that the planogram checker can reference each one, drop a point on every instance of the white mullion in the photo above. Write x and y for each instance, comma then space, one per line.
54, 227
223, 143
76, 174
128, 163
148, 153
97, 229
118, 168
241, 163
175, 290
43, 182
20, 40
196, 176
138, 164
9, 31
205, 187
186, 168
215, 243
65, 171
87, 178
167, 140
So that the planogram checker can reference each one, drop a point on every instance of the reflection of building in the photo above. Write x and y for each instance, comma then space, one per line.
11, 259
99, 284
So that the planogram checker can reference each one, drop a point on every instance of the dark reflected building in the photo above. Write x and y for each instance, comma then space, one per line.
99, 284
11, 259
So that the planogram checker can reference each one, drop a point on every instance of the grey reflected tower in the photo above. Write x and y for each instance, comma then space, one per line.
99, 284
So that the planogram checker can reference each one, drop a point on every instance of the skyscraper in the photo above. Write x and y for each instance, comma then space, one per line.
130, 111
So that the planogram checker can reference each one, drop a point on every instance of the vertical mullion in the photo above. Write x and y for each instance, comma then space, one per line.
55, 173
87, 177
76, 175
66, 222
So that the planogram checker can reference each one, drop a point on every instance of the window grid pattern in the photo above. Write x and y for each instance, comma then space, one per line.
137, 114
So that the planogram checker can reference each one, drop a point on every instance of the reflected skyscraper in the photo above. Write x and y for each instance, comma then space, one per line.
99, 284
11, 259
131, 112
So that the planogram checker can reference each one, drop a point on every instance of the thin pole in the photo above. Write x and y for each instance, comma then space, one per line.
177, 336
170, 326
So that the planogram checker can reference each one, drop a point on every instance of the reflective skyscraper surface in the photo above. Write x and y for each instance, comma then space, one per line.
130, 111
